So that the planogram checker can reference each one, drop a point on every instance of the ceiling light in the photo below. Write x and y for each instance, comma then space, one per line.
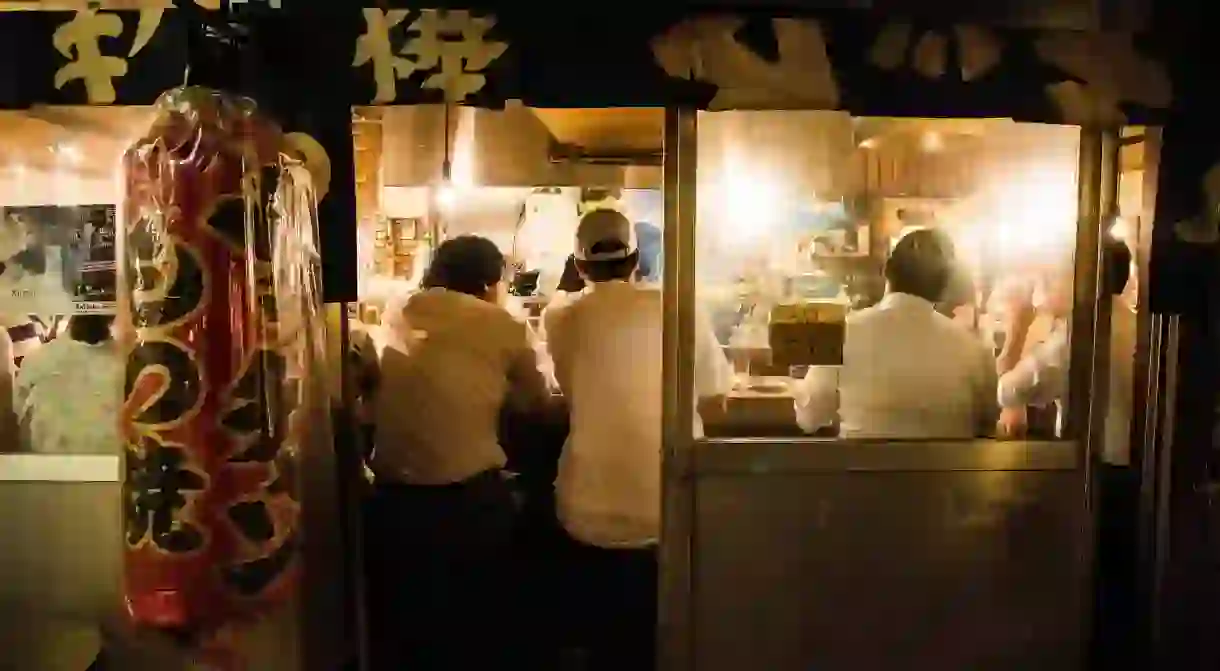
868, 143
446, 196
68, 152
933, 141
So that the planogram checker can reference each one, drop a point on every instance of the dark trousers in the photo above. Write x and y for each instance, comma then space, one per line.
1116, 620
439, 574
611, 598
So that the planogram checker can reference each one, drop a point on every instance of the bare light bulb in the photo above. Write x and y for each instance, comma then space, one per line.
446, 196
69, 153
933, 141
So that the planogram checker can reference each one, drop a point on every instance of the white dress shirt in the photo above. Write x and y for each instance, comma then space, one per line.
68, 393
453, 361
908, 372
606, 349
1040, 377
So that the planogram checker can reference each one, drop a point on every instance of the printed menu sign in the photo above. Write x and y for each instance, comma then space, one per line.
57, 260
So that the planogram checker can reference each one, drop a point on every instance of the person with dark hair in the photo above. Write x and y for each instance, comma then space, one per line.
570, 282
441, 518
908, 371
68, 392
606, 349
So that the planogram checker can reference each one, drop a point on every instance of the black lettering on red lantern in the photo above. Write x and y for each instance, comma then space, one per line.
156, 489
163, 383
167, 280
252, 577
257, 408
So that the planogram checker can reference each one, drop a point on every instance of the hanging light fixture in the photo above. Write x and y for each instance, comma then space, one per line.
446, 193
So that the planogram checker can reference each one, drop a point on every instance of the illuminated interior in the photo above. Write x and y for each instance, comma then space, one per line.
520, 177
798, 212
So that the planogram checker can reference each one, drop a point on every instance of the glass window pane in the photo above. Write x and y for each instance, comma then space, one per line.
837, 323
60, 372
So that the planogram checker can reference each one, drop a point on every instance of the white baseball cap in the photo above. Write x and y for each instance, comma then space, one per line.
602, 227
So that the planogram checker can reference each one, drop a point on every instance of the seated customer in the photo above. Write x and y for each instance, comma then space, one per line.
441, 518
607, 353
68, 392
908, 371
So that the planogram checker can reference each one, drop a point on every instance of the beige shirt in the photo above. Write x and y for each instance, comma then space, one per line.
453, 362
606, 349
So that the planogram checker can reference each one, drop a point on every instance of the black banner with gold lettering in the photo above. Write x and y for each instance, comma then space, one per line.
295, 66
324, 58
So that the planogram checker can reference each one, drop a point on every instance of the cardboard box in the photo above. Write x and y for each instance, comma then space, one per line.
807, 343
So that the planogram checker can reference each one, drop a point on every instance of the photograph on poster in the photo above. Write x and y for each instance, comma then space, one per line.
57, 260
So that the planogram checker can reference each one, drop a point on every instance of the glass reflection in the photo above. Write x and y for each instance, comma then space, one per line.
800, 214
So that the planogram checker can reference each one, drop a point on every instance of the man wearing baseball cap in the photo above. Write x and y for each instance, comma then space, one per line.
606, 347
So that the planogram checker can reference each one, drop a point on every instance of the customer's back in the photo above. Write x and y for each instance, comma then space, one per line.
606, 349
455, 358
69, 391
438, 406
607, 353
909, 371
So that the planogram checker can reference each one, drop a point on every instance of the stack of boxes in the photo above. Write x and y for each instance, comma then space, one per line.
807, 333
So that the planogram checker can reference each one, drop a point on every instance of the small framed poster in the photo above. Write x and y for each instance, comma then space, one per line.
57, 260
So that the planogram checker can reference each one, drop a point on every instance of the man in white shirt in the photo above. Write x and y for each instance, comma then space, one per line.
908, 371
606, 349
68, 392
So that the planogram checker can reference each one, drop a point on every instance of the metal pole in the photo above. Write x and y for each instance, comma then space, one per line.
1099, 394
676, 627
1077, 424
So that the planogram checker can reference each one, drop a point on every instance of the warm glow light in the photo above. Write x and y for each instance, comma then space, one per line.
870, 143
1120, 229
463, 148
933, 141
1034, 213
446, 196
69, 153
751, 204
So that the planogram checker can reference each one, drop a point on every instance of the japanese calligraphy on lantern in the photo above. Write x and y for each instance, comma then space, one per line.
163, 389
706, 49
156, 488
450, 46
